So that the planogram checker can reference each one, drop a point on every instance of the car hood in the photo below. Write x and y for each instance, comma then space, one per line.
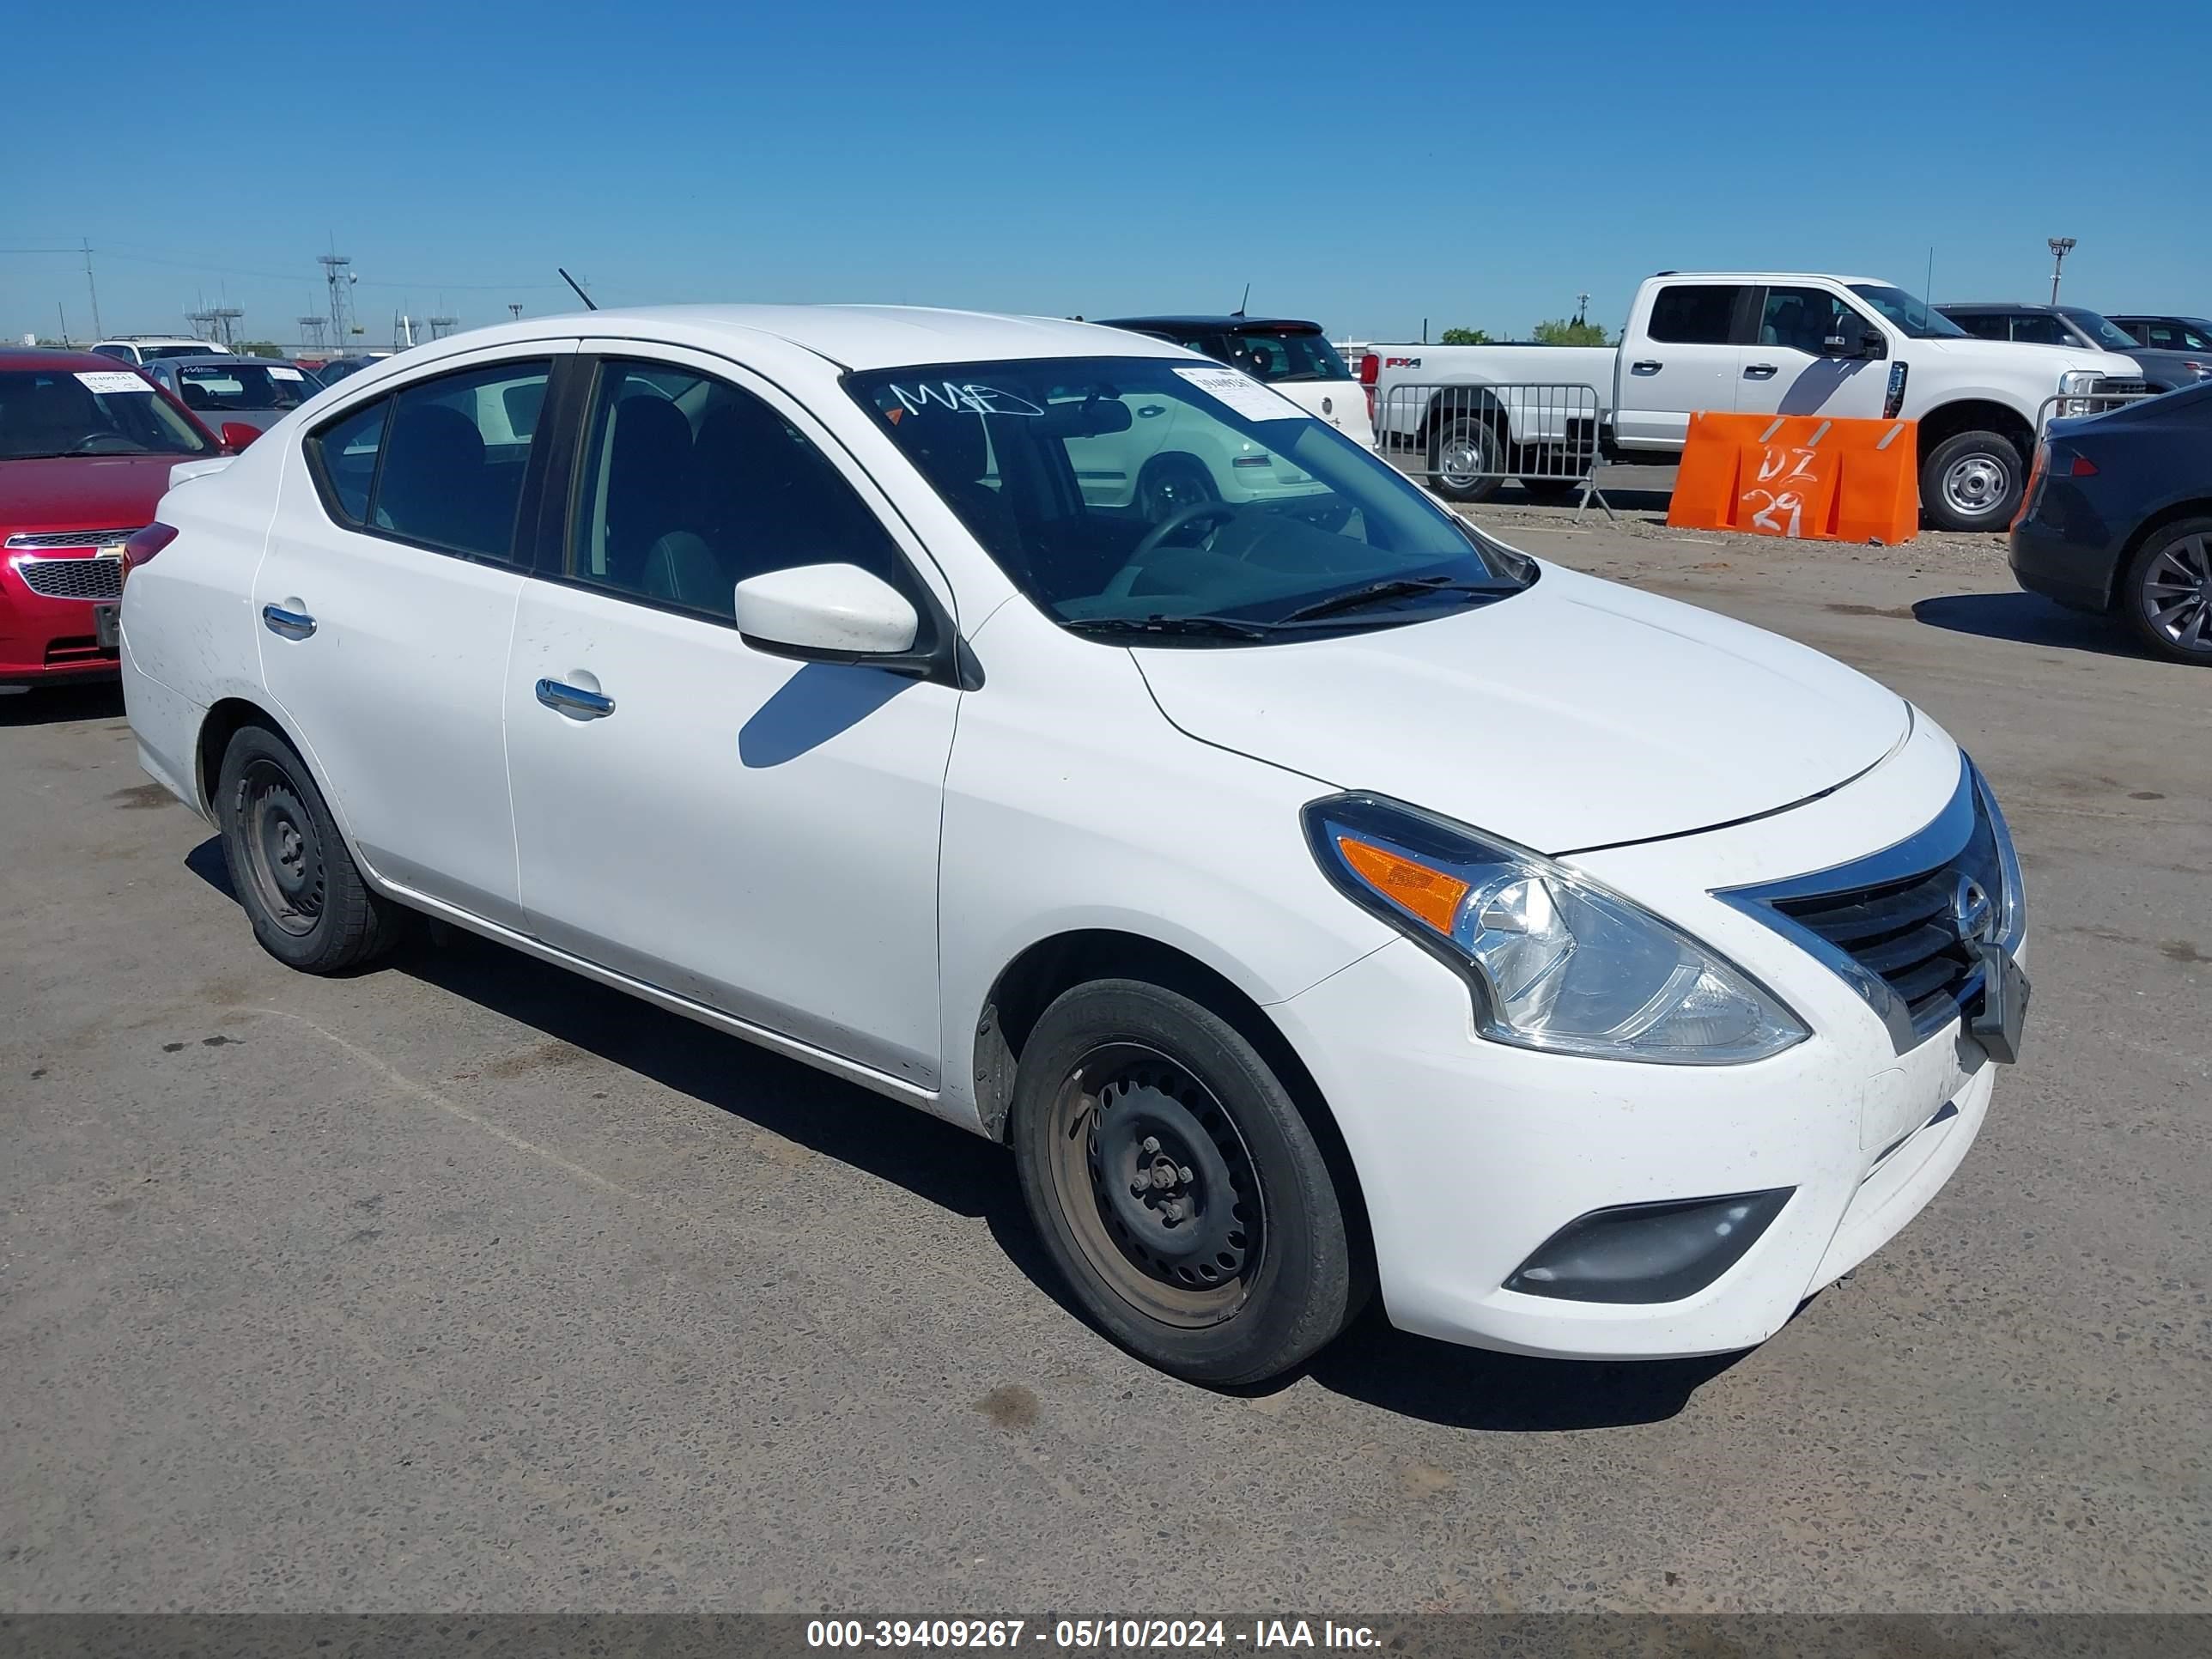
1577, 715
82, 492
2059, 358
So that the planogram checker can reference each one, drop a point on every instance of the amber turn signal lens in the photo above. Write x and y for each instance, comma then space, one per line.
1430, 894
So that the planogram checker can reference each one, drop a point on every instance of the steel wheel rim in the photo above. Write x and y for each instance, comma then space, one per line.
2176, 594
1976, 485
283, 857
1197, 1177
1460, 462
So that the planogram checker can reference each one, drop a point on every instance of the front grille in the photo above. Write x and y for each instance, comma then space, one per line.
71, 538
1904, 927
2118, 385
1906, 934
72, 579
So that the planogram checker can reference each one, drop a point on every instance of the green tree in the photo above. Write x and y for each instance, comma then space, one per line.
258, 348
1560, 331
1463, 337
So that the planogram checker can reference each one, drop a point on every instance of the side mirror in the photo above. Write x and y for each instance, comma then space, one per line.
1865, 344
825, 613
236, 434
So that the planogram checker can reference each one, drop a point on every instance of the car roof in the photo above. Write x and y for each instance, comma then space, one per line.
856, 337
1747, 276
217, 360
1200, 322
68, 359
2157, 317
2033, 306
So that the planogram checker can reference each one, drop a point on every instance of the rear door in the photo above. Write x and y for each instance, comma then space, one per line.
1684, 359
384, 607
1783, 371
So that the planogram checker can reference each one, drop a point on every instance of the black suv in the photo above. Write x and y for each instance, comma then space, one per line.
2076, 325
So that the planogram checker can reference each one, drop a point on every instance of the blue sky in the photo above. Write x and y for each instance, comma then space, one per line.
1368, 165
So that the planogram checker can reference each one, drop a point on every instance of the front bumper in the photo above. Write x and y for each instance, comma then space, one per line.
47, 639
1472, 1154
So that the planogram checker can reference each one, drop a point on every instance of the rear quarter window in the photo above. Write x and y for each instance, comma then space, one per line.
1694, 314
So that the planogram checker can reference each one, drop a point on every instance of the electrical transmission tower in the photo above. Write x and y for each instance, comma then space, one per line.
311, 331
340, 280
441, 326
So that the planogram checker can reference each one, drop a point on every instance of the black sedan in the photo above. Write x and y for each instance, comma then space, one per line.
2118, 519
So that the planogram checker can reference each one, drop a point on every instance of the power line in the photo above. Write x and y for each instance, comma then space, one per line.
282, 275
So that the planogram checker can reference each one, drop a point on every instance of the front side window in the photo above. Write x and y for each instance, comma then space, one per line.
241, 385
1908, 316
2040, 328
438, 462
1805, 319
1146, 495
687, 485
1986, 325
1694, 314
47, 412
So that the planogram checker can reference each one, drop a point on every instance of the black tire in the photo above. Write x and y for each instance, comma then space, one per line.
1475, 440
2166, 593
288, 865
1171, 484
1973, 481
1551, 489
1123, 1084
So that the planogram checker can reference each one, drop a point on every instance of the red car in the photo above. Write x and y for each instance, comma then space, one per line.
86, 446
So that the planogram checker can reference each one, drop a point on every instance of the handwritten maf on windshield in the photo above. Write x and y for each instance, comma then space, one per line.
969, 399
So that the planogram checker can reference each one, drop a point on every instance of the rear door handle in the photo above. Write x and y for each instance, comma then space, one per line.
574, 700
1647, 367
1757, 371
291, 625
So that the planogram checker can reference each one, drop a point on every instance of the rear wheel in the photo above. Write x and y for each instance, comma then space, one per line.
298, 884
1465, 460
2166, 593
1177, 1185
1972, 481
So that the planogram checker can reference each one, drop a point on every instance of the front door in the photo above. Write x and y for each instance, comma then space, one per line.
384, 605
1784, 372
746, 831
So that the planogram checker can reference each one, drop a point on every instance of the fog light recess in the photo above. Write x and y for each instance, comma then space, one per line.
1648, 1252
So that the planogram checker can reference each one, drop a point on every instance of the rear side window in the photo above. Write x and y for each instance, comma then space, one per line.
121, 354
2040, 328
1694, 314
1985, 325
439, 463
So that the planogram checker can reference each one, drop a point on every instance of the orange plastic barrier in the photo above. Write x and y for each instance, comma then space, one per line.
1806, 476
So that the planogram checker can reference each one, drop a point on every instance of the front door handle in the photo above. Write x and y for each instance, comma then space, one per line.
1647, 367
290, 624
574, 700
1759, 370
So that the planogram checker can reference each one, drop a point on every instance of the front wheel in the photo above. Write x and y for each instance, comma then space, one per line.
1972, 482
1466, 460
288, 865
1177, 1187
2166, 591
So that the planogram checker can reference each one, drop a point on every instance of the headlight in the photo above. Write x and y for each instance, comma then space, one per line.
2075, 381
1557, 963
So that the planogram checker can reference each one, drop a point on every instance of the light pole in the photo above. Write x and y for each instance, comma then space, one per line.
2060, 247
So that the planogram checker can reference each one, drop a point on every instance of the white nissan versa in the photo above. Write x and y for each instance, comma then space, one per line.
1320, 897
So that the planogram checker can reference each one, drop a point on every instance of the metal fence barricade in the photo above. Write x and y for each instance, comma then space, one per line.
1466, 441
2068, 405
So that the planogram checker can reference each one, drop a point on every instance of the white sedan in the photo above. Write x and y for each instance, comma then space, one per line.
1322, 898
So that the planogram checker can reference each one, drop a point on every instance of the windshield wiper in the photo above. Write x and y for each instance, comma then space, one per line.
1220, 627
1396, 587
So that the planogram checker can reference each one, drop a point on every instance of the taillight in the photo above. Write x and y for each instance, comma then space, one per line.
138, 549
2083, 467
1370, 366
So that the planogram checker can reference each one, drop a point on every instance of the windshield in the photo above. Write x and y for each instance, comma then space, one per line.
1906, 314
2101, 329
1128, 494
240, 384
60, 411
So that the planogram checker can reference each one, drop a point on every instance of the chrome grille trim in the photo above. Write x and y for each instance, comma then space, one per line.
38, 539
1884, 924
72, 579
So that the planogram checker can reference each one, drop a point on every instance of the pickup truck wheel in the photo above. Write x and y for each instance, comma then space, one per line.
1972, 482
2166, 594
1465, 460
1177, 1187
288, 865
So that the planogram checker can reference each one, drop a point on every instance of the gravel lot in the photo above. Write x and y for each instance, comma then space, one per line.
467, 1284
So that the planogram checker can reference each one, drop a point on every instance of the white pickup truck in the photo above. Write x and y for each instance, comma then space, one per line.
1752, 342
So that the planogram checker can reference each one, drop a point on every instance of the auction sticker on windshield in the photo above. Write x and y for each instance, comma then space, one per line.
1244, 394
105, 380
286, 374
